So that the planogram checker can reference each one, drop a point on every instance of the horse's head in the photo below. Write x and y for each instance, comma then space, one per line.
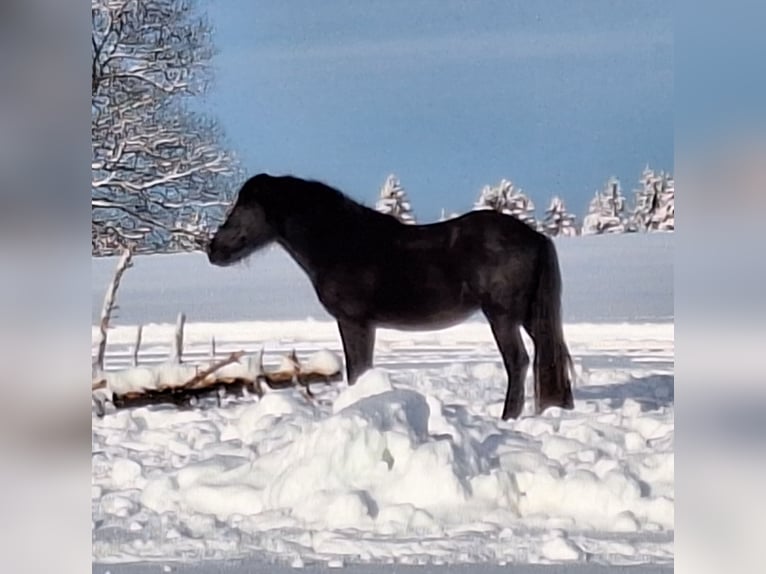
246, 228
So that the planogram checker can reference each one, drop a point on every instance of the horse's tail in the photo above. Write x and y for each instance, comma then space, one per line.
553, 365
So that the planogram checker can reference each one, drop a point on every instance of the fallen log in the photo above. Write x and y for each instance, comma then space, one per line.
186, 396
205, 383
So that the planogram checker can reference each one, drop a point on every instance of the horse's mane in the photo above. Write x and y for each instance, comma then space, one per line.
320, 195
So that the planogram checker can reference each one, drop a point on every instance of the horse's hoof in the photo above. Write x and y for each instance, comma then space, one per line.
565, 403
512, 412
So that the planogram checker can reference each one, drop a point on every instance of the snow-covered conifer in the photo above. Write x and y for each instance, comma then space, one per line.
606, 212
557, 221
393, 201
655, 202
508, 199
665, 217
495, 197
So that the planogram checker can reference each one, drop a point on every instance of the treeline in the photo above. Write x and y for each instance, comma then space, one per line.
652, 206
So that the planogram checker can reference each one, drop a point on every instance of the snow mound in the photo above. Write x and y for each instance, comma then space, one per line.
376, 464
372, 382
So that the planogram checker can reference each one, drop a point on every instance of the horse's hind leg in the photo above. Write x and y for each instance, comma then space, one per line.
358, 345
515, 358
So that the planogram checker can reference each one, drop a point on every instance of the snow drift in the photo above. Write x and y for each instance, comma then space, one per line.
361, 472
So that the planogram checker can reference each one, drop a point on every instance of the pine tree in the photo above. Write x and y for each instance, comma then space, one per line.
495, 197
393, 201
557, 221
655, 202
606, 212
665, 219
647, 200
508, 199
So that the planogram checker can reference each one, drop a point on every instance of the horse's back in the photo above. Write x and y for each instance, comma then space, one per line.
477, 237
489, 226
451, 268
499, 258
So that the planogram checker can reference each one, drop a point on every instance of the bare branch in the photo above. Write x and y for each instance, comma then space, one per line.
124, 263
205, 373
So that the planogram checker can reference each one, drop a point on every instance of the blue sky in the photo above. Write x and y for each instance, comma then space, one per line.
449, 95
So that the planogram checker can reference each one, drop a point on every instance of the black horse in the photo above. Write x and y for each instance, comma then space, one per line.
369, 270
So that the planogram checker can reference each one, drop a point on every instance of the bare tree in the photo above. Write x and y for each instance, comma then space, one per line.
156, 164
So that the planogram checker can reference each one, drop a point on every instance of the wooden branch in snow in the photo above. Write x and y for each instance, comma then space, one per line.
205, 373
124, 263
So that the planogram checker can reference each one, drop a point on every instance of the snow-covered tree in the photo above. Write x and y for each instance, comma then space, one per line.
198, 224
645, 199
393, 201
665, 219
495, 197
155, 163
557, 221
506, 198
606, 212
655, 202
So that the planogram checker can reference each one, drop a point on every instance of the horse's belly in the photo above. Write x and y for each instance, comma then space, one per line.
429, 311
421, 323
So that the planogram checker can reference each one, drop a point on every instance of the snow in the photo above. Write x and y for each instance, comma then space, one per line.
323, 362
412, 464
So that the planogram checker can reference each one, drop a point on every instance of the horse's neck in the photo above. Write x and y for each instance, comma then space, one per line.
302, 257
309, 245
324, 240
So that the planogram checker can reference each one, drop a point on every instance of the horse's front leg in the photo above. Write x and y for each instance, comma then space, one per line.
358, 344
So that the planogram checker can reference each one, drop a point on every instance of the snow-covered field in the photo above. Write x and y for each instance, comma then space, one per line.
410, 466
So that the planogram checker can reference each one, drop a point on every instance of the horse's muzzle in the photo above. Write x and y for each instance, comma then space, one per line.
216, 257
